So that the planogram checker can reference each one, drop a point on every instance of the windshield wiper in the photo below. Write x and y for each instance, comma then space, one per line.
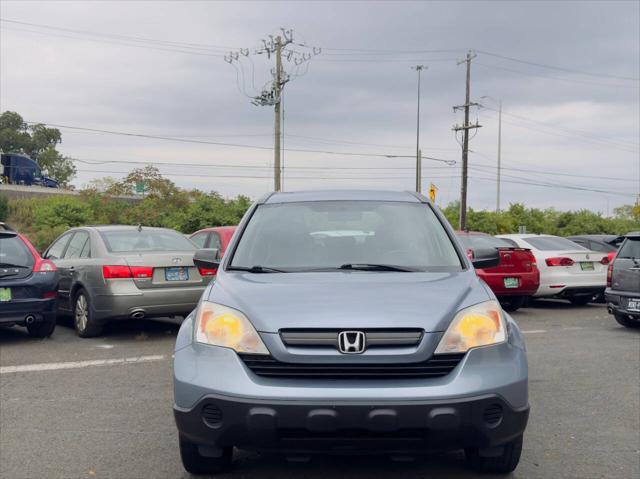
11, 265
376, 267
255, 269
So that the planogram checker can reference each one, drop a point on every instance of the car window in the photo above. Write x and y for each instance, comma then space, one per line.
483, 242
132, 240
200, 239
57, 248
552, 243
601, 247
86, 250
299, 236
215, 241
76, 245
510, 242
14, 252
630, 248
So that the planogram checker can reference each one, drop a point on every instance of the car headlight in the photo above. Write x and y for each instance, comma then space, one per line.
479, 325
220, 325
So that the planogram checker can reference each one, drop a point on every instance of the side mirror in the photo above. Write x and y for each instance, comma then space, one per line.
208, 258
485, 258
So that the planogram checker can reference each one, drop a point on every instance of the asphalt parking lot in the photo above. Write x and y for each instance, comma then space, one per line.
101, 408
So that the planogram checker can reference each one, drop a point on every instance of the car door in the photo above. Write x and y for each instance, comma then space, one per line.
626, 267
75, 262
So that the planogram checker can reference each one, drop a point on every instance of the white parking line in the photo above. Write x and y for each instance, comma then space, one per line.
79, 364
535, 331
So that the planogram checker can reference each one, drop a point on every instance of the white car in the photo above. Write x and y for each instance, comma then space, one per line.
567, 270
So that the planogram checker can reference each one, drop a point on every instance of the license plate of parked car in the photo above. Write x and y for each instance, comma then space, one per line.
633, 305
179, 273
511, 282
587, 266
5, 294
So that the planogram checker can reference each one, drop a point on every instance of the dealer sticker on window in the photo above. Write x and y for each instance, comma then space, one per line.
5, 294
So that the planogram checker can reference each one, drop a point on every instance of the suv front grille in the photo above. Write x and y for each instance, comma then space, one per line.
435, 367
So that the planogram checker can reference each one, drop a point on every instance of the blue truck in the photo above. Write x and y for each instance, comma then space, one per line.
17, 169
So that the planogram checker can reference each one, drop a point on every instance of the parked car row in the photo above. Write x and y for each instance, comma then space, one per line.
98, 274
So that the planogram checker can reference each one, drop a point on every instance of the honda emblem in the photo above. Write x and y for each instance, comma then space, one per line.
351, 342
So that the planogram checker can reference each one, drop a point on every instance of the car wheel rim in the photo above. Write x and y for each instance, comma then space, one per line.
81, 312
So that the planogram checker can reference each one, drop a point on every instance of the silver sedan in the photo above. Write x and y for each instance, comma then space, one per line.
121, 272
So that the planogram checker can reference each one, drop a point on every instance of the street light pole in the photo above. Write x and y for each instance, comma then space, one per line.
419, 69
499, 155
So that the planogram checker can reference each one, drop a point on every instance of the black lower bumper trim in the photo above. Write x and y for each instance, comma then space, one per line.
414, 426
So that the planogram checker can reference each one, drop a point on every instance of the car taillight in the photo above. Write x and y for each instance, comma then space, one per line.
43, 266
123, 271
609, 275
207, 272
604, 260
116, 272
611, 255
559, 261
142, 271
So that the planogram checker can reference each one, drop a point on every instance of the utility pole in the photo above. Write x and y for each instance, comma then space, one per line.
277, 88
465, 140
294, 53
499, 155
419, 69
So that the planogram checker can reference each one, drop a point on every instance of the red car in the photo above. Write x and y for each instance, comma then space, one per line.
216, 237
516, 277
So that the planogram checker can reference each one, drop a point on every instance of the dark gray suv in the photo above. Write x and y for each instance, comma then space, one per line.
623, 283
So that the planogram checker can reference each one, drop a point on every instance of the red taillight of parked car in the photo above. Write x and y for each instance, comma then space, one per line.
207, 272
609, 274
142, 271
559, 261
123, 271
44, 266
604, 260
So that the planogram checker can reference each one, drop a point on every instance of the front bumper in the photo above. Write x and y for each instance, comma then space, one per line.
351, 427
16, 311
258, 412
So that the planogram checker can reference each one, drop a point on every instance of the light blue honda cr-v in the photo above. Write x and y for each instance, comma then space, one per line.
349, 321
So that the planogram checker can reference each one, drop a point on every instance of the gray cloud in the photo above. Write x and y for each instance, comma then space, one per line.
112, 85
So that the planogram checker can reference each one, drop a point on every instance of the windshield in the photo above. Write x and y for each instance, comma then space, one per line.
630, 248
553, 243
14, 252
483, 241
329, 234
127, 241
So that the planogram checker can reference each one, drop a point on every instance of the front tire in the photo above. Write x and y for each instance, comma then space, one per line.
83, 320
502, 464
626, 321
42, 329
196, 463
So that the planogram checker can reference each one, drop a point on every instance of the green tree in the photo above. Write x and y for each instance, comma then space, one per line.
4, 208
38, 142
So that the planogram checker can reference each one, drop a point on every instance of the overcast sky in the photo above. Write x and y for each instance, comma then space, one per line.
569, 87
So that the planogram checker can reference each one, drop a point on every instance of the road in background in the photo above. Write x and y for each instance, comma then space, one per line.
101, 408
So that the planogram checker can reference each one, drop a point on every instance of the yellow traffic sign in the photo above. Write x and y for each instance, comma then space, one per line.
432, 192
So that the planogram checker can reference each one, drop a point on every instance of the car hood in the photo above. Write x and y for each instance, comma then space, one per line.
349, 299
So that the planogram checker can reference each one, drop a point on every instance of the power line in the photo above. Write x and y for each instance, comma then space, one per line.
546, 77
579, 133
553, 67
236, 145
